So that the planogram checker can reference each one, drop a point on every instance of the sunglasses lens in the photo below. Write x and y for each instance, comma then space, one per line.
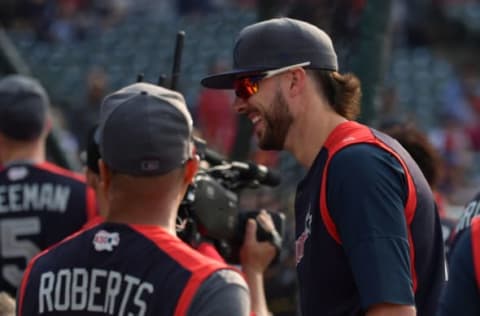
245, 87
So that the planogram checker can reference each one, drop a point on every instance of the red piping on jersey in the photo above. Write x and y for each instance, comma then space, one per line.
475, 236
58, 170
207, 249
200, 266
350, 133
26, 274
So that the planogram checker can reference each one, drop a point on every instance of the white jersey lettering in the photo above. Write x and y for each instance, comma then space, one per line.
45, 293
63, 282
96, 290
79, 289
34, 197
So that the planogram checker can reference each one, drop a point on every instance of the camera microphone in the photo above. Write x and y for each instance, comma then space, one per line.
212, 157
251, 171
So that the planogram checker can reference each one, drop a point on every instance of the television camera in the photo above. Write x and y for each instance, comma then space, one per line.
209, 210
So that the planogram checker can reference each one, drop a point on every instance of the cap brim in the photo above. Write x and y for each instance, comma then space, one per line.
225, 80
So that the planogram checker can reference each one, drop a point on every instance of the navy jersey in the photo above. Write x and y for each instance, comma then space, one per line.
367, 230
472, 210
455, 228
462, 293
115, 269
40, 204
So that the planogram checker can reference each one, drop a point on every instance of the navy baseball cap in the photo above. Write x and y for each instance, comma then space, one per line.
145, 130
24, 107
273, 44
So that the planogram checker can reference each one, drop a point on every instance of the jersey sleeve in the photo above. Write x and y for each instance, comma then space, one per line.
366, 195
461, 295
224, 293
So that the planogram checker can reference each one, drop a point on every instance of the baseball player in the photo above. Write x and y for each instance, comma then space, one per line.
369, 240
40, 203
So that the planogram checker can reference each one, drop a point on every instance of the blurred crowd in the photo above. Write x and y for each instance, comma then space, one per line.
63, 20
73, 20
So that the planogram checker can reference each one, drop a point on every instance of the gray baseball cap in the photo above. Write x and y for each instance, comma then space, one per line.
276, 43
145, 130
24, 106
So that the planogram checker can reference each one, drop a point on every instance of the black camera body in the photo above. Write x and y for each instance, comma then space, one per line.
210, 207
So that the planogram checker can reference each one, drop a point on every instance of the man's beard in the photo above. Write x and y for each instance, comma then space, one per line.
277, 123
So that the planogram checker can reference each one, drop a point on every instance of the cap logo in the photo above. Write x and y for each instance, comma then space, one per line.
150, 165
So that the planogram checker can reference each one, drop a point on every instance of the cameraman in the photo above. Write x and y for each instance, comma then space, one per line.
144, 184
254, 256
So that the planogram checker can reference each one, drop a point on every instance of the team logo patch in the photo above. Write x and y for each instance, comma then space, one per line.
17, 173
300, 242
300, 247
104, 240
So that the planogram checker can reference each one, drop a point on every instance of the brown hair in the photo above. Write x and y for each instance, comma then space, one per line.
420, 148
343, 91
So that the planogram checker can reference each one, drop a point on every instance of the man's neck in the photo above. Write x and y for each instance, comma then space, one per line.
33, 152
129, 211
309, 133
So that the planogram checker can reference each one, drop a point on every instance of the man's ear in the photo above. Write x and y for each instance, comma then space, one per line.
191, 169
297, 82
48, 125
105, 177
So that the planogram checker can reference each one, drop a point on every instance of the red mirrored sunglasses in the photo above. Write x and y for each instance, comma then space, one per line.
247, 86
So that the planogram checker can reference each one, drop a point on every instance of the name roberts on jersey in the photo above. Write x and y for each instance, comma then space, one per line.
34, 197
95, 290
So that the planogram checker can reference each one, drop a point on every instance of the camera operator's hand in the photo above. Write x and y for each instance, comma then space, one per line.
255, 257
266, 221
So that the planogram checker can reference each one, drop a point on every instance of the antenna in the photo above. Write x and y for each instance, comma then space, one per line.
177, 59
